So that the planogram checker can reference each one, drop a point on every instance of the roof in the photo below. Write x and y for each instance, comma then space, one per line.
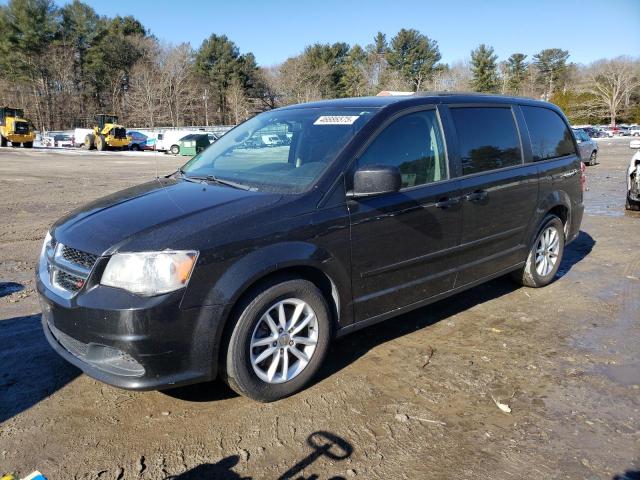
418, 98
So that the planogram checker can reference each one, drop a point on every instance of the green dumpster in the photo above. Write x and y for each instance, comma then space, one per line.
193, 144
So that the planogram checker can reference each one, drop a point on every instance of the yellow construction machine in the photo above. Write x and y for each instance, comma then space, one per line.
15, 128
107, 133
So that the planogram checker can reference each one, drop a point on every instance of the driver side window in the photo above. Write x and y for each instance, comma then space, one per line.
413, 143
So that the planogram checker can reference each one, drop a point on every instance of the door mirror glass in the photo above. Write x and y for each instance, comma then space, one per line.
375, 180
634, 144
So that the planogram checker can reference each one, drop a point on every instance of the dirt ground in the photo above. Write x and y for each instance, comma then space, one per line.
415, 397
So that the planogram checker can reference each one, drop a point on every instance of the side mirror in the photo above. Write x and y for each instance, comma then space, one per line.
375, 180
634, 144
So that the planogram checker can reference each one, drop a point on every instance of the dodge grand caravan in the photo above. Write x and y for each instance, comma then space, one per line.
246, 262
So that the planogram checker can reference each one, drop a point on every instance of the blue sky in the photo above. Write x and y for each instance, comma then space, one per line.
274, 30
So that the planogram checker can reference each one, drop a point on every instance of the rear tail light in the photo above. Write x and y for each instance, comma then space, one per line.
583, 177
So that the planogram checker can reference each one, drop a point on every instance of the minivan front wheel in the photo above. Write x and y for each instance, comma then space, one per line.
279, 340
545, 255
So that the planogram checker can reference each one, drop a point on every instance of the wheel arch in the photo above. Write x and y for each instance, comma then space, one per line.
557, 203
286, 261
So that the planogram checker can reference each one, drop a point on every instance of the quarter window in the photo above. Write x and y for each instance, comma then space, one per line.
550, 136
413, 143
487, 137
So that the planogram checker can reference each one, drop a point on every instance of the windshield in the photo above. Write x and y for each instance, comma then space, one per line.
282, 151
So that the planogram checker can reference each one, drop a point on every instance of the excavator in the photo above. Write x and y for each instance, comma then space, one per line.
107, 133
15, 128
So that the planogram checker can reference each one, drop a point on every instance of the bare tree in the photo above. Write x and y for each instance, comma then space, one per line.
175, 67
456, 78
237, 101
610, 83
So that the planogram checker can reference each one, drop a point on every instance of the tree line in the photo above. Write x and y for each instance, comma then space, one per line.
65, 64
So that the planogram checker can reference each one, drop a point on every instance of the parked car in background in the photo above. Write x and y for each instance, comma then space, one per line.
609, 131
62, 140
587, 147
247, 262
633, 178
140, 141
623, 131
634, 131
593, 132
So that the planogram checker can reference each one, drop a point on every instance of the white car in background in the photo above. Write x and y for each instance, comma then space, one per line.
633, 178
634, 131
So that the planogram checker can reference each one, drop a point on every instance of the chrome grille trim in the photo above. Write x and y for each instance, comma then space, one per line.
65, 269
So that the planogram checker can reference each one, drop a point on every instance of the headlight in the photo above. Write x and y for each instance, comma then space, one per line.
149, 273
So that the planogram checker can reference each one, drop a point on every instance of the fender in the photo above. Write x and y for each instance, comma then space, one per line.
246, 271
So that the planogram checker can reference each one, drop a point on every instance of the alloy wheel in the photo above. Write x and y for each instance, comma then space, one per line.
283, 341
547, 251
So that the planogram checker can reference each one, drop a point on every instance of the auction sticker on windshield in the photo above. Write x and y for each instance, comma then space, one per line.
336, 120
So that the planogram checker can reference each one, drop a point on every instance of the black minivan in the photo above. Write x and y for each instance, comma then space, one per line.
247, 261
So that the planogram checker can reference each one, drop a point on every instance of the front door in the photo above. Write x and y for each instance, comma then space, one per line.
400, 240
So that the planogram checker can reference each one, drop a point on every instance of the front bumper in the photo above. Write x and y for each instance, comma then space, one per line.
18, 138
132, 342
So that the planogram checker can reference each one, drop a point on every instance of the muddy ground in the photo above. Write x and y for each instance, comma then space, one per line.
410, 398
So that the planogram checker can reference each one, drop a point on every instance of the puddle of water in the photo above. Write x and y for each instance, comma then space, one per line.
622, 374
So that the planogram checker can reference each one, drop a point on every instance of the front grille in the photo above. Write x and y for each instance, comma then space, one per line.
75, 347
66, 269
22, 128
107, 359
78, 257
119, 132
68, 281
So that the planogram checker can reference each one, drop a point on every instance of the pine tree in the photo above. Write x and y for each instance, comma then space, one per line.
484, 69
415, 56
551, 65
516, 72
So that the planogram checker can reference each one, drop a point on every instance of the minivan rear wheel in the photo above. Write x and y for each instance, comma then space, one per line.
279, 340
544, 256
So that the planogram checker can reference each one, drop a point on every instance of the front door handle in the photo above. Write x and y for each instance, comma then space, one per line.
447, 202
477, 196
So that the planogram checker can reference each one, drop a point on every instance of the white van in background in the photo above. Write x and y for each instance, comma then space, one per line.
167, 141
79, 134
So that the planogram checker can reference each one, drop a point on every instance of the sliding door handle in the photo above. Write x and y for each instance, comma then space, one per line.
447, 202
477, 196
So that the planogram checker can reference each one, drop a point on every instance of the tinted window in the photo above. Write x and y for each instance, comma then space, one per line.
414, 144
550, 137
487, 138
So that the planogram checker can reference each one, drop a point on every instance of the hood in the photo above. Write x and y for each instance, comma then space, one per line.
108, 223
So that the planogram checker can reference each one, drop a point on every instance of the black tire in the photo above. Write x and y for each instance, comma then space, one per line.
28, 144
632, 205
593, 159
135, 147
89, 141
529, 275
16, 144
101, 143
238, 371
3, 141
175, 149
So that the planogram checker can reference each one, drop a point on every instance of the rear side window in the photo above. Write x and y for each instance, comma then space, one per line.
550, 136
487, 137
415, 145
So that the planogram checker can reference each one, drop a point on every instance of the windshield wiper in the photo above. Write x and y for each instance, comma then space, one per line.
213, 178
187, 178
